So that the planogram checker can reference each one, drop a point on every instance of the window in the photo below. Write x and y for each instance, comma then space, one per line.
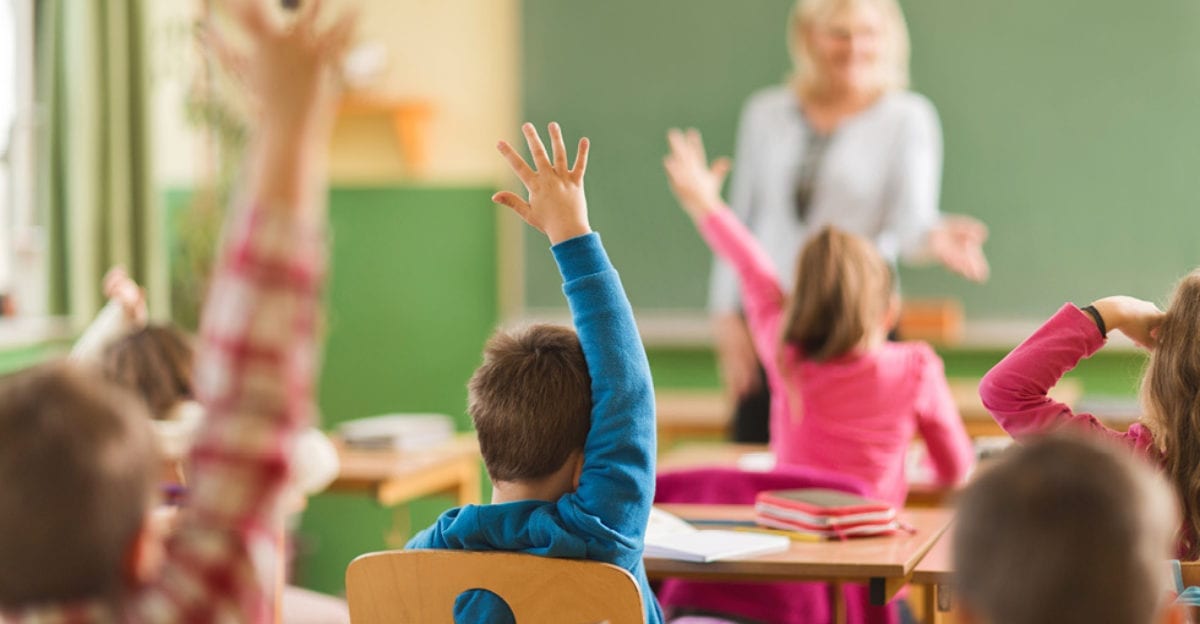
22, 273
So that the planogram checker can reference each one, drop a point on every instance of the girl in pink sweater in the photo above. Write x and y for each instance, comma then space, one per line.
1015, 390
843, 397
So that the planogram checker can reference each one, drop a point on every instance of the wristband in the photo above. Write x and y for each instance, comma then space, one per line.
1095, 314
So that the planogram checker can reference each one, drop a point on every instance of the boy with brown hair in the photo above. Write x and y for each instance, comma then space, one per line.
77, 458
1065, 530
565, 421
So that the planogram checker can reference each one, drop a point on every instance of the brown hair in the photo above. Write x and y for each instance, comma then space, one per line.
1064, 530
842, 290
155, 363
78, 464
1171, 395
531, 401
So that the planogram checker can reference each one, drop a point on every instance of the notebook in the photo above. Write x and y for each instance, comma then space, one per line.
827, 513
669, 537
400, 432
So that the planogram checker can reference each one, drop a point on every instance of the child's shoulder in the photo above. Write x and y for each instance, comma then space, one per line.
915, 353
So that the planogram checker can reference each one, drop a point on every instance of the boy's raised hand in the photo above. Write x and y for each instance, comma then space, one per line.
557, 206
696, 185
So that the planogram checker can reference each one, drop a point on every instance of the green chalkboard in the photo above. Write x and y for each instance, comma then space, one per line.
1071, 127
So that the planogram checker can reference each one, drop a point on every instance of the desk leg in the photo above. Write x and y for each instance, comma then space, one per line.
470, 488
837, 602
401, 529
937, 603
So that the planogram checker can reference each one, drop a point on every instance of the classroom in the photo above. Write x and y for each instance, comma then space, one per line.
868, 311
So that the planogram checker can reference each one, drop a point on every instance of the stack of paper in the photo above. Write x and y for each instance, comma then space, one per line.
669, 537
401, 432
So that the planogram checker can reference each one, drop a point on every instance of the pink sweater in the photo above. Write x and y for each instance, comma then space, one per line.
856, 414
1014, 391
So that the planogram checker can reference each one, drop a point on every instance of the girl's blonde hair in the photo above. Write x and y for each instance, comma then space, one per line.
843, 289
1171, 396
808, 14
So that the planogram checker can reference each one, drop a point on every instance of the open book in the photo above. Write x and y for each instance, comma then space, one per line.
669, 537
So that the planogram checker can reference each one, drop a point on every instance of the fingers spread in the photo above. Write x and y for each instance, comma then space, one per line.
334, 42
513, 201
720, 168
581, 159
536, 148
557, 146
516, 163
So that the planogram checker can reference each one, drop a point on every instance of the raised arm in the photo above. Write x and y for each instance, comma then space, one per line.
1016, 390
124, 313
697, 186
257, 351
616, 486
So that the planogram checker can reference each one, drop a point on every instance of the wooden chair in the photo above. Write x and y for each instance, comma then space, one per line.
421, 586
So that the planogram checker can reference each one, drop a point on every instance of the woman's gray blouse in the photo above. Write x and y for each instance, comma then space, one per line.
880, 177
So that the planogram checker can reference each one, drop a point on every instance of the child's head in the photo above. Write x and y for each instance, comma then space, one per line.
1171, 395
154, 363
531, 401
843, 296
1064, 530
78, 463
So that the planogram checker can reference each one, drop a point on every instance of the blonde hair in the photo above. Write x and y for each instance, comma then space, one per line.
1170, 394
842, 291
808, 14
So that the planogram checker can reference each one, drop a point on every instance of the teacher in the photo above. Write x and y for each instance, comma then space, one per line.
845, 143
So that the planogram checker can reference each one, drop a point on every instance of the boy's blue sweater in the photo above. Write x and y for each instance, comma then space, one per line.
605, 518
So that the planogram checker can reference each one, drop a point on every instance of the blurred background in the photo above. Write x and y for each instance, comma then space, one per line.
1070, 128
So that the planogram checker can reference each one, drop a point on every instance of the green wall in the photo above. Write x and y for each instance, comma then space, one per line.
412, 299
1070, 128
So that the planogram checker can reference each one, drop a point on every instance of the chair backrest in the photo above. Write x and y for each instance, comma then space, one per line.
422, 585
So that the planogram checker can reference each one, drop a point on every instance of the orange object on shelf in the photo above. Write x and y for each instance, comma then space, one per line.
939, 321
409, 119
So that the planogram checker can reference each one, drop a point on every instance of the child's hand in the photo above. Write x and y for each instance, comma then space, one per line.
696, 185
557, 206
290, 69
1133, 317
119, 287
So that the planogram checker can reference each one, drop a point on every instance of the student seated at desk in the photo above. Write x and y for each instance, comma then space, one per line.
1015, 390
1065, 530
154, 362
842, 396
565, 421
77, 454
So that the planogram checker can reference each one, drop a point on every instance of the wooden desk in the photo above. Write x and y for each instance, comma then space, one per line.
884, 563
394, 478
935, 573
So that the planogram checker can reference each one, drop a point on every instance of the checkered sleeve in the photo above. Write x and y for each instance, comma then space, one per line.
255, 368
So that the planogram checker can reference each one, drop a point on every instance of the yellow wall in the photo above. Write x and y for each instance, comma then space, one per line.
460, 55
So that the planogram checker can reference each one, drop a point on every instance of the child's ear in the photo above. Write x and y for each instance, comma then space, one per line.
891, 317
147, 549
577, 457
